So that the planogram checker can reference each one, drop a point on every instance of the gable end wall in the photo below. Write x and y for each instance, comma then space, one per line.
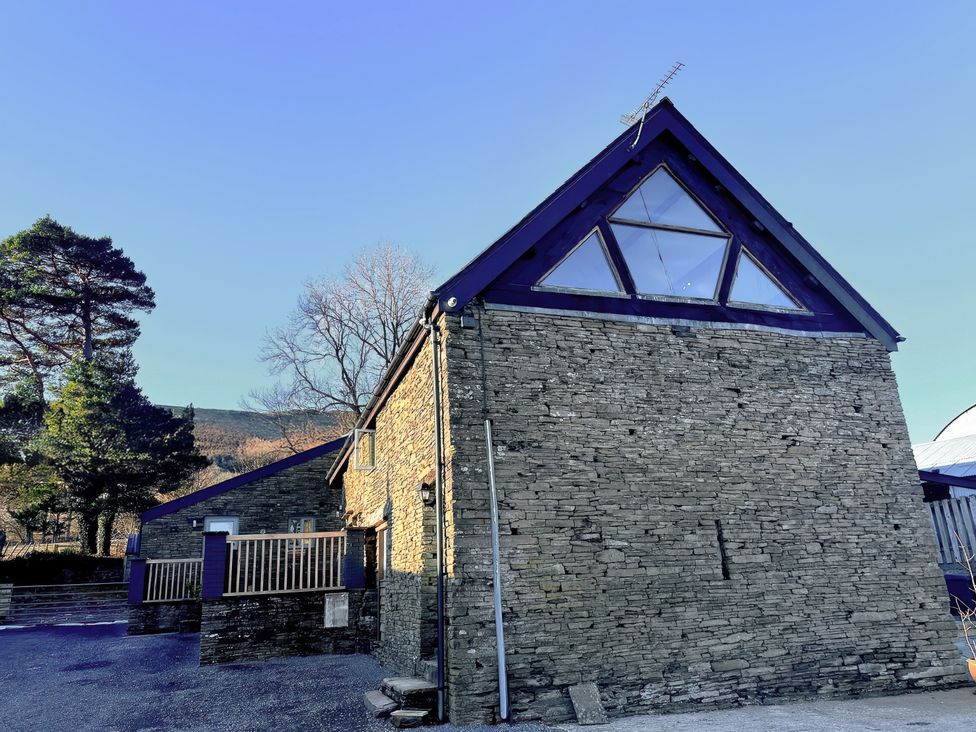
618, 447
264, 505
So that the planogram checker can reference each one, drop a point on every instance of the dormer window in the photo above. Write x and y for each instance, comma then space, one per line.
673, 247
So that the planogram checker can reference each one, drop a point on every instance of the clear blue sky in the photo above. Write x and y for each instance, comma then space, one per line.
236, 149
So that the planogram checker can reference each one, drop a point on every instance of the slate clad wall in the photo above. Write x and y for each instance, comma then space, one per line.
618, 447
265, 504
270, 626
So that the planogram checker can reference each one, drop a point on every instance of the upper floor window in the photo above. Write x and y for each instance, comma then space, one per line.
586, 269
754, 286
673, 247
365, 450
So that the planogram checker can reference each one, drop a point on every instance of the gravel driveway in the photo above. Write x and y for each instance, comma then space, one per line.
74, 679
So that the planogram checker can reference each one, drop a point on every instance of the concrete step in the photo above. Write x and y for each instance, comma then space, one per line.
427, 668
410, 692
379, 704
404, 718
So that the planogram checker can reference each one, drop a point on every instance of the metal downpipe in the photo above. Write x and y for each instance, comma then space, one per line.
439, 512
496, 584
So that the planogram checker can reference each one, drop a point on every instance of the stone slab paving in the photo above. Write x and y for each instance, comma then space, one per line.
941, 711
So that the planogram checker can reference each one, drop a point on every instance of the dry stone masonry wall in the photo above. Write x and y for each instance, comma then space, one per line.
404, 449
689, 519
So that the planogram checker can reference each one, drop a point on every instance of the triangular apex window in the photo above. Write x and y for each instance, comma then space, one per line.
661, 201
586, 268
673, 247
753, 286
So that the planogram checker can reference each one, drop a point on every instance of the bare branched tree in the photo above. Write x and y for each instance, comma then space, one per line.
340, 339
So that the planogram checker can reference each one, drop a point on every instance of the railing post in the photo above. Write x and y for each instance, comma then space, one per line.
354, 562
137, 581
214, 564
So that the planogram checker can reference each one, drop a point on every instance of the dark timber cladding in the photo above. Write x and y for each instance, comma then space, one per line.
706, 491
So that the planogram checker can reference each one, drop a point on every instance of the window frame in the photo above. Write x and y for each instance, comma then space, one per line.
301, 519
236, 520
357, 464
382, 550
800, 308
620, 292
725, 234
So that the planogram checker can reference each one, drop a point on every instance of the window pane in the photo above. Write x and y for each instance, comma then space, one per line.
753, 285
661, 200
666, 262
586, 268
220, 523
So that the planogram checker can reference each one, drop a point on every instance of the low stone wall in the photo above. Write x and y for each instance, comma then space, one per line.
164, 617
270, 626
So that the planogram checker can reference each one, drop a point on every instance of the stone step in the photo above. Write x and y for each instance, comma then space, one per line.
379, 704
404, 718
428, 669
410, 692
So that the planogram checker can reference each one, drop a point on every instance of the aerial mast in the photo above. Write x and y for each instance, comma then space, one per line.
641, 112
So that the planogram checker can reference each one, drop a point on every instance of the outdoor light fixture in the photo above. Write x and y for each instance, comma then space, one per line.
427, 494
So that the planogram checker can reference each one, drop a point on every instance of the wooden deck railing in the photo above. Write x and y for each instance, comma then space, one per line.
954, 521
264, 564
172, 579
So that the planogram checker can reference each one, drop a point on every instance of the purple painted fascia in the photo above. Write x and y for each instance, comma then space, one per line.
933, 476
217, 489
479, 274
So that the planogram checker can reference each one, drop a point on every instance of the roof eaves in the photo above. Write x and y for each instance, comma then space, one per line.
934, 476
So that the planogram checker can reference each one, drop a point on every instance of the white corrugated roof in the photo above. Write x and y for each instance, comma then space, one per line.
956, 456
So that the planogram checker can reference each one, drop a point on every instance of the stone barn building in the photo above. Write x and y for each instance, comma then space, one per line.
649, 439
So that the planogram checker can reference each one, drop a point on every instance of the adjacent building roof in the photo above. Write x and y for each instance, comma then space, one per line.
953, 457
242, 480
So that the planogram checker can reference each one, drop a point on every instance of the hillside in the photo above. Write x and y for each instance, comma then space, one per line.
252, 424
237, 441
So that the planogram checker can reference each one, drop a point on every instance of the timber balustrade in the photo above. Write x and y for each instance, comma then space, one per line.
169, 580
954, 522
262, 564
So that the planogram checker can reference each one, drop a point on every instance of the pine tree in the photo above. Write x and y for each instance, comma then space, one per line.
63, 294
112, 449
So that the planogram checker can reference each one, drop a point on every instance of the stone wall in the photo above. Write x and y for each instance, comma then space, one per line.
690, 520
263, 505
164, 617
270, 626
404, 448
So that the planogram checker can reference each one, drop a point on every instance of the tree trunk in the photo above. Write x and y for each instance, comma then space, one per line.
86, 321
87, 533
105, 533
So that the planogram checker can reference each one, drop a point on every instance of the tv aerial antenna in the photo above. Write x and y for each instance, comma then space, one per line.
641, 112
